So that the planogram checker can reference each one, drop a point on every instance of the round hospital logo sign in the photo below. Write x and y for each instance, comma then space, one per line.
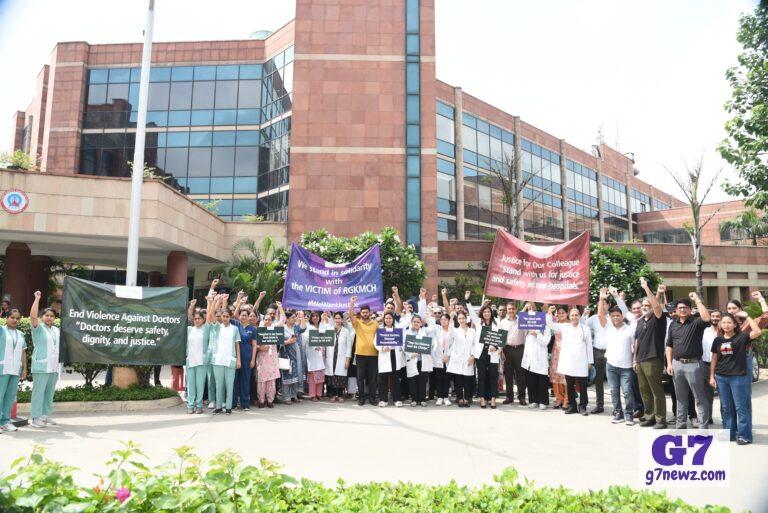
14, 201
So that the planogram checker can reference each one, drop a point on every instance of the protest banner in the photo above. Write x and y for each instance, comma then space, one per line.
324, 338
311, 283
552, 274
493, 338
270, 336
119, 325
415, 344
389, 337
531, 320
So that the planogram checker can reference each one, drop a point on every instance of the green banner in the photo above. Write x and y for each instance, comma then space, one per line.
414, 344
270, 337
112, 324
493, 338
319, 338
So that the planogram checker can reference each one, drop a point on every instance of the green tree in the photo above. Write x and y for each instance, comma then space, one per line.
746, 145
253, 269
748, 224
620, 267
400, 265
19, 159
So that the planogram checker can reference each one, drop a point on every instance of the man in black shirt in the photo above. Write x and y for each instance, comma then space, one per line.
683, 355
648, 358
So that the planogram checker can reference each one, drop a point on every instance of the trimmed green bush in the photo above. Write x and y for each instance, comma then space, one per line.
224, 484
104, 393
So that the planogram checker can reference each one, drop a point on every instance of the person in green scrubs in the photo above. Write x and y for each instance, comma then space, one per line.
197, 359
45, 364
224, 350
13, 365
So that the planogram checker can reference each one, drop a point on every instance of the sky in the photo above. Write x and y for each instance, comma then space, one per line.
649, 76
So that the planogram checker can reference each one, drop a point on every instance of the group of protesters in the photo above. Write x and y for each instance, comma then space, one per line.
633, 348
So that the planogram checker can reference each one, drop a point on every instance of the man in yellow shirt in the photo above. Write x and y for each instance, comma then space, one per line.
365, 352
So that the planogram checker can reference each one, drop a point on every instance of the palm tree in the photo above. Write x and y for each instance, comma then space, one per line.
253, 269
749, 223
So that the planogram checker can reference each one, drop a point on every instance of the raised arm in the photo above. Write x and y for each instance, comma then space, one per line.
601, 310
614, 292
239, 302
35, 309
703, 312
655, 305
755, 329
397, 300
352, 316
210, 313
257, 303
212, 290
422, 305
280, 312
446, 303
190, 311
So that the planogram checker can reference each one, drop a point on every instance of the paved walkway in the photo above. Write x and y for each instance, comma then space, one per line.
433, 444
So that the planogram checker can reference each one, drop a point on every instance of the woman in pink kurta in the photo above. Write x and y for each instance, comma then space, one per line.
558, 380
267, 365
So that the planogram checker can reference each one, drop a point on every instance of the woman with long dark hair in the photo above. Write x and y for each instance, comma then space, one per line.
45, 364
727, 371
486, 356
461, 363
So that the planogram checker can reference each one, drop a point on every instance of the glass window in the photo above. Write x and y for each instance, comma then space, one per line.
288, 78
225, 117
118, 75
246, 163
202, 94
445, 129
412, 44
412, 113
496, 149
250, 71
202, 118
484, 196
412, 78
412, 15
135, 74
483, 144
243, 207
413, 199
250, 94
412, 135
97, 94
181, 95
161, 74
226, 94
199, 185
445, 166
179, 118
158, 96
222, 185
248, 138
98, 76
288, 54
226, 138
176, 161
200, 162
249, 116
205, 72
182, 73
157, 118
178, 139
223, 161
469, 138
445, 187
413, 166
200, 138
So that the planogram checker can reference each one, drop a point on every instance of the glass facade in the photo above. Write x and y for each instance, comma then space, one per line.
615, 210
671, 236
215, 132
413, 123
543, 190
583, 214
660, 205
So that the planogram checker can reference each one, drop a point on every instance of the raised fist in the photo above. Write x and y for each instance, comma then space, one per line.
643, 282
38, 294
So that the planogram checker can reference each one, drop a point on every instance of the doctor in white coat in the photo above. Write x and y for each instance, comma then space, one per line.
576, 357
535, 363
419, 366
444, 340
315, 355
461, 363
486, 356
338, 359
391, 360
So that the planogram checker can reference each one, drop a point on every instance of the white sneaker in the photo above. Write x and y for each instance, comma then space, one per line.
447, 401
542, 406
211, 405
398, 404
382, 404
50, 421
423, 403
9, 427
414, 403
37, 423
439, 401
533, 405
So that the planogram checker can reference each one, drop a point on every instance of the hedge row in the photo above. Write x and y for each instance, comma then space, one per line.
104, 393
224, 484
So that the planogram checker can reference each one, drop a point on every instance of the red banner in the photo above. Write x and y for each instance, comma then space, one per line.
550, 274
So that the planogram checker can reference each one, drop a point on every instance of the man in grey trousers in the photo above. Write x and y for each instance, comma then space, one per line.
683, 354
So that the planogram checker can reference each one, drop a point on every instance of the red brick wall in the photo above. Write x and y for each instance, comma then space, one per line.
17, 136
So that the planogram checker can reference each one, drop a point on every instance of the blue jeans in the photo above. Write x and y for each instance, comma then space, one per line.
734, 393
620, 378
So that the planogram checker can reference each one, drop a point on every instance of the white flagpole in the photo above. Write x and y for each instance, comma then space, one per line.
132, 261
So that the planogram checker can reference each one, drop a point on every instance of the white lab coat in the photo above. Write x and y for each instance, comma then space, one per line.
385, 353
535, 357
477, 350
344, 342
315, 355
576, 351
412, 359
461, 349
444, 340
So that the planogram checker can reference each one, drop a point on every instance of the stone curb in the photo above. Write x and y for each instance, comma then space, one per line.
108, 406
